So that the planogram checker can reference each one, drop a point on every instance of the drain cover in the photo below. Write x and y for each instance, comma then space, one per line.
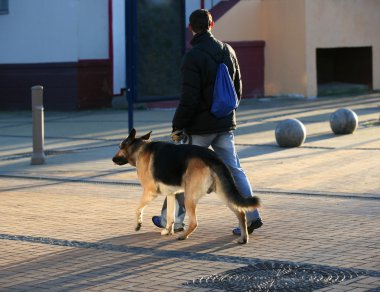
270, 276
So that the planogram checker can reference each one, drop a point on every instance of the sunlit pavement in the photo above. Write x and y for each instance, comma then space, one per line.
69, 224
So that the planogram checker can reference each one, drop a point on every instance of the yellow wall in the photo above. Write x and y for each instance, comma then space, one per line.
241, 23
294, 29
341, 23
284, 34
281, 24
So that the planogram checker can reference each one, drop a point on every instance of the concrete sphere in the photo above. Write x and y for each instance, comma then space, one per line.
290, 133
343, 121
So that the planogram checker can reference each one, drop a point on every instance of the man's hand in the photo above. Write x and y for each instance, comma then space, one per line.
178, 136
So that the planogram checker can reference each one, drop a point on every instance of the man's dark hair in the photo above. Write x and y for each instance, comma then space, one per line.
200, 20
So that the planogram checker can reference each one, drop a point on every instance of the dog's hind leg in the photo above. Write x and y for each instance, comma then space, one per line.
198, 181
169, 229
147, 196
243, 226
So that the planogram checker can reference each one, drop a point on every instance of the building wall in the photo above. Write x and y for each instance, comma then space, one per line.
93, 24
60, 44
284, 34
341, 23
281, 24
46, 31
294, 29
242, 31
119, 46
241, 23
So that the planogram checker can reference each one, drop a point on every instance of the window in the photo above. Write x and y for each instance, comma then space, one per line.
4, 9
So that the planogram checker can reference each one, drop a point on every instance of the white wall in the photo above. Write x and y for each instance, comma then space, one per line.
93, 24
43, 31
119, 53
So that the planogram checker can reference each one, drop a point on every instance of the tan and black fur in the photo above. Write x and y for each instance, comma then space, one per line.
168, 169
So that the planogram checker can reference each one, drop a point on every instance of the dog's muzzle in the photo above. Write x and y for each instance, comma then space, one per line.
119, 160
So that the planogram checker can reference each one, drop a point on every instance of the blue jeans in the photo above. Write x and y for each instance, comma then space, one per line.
224, 145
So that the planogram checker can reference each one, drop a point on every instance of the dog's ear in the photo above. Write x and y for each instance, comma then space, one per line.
132, 135
146, 136
130, 138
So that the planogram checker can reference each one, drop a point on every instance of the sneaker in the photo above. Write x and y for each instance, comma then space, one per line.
157, 221
254, 225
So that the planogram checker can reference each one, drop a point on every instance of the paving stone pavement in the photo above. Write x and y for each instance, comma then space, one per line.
68, 225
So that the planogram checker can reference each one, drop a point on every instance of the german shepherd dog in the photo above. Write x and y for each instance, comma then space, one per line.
169, 168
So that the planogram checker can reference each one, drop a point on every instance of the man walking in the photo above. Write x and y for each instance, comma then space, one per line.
193, 116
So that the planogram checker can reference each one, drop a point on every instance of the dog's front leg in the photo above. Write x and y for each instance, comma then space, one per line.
169, 229
190, 206
146, 198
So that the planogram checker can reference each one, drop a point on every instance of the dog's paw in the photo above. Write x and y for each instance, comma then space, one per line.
138, 226
182, 237
242, 240
165, 232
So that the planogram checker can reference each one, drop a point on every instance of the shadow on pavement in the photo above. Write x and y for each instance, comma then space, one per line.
90, 264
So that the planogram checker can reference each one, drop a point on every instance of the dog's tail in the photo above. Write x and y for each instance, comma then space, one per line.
227, 190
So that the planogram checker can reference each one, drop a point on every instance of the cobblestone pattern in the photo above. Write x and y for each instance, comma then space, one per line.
336, 232
58, 234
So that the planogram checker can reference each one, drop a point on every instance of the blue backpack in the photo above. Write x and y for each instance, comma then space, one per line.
224, 99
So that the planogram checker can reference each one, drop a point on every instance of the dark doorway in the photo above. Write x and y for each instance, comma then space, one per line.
161, 45
344, 70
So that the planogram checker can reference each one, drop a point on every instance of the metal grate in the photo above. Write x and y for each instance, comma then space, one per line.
271, 276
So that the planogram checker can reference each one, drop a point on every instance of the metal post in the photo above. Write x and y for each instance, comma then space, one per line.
131, 50
38, 155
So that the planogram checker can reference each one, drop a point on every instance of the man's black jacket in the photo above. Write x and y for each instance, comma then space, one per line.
199, 67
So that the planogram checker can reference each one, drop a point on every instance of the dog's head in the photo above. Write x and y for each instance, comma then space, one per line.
128, 149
